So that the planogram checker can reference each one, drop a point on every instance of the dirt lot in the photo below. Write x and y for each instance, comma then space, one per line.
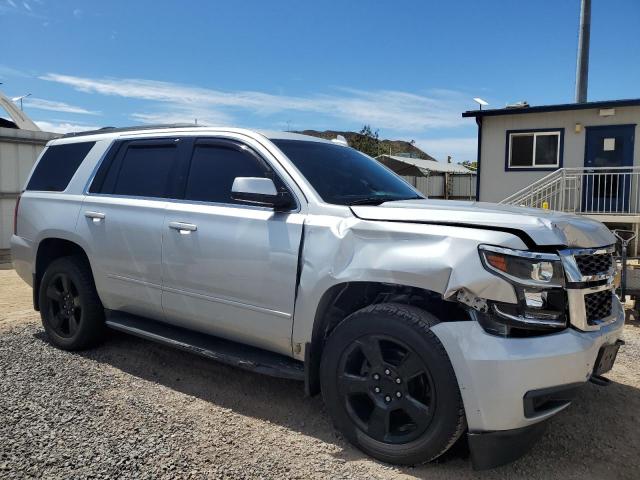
135, 409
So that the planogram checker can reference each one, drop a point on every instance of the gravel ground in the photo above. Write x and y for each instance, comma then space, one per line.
132, 408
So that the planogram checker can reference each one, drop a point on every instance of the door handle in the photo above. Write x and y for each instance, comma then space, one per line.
183, 228
95, 216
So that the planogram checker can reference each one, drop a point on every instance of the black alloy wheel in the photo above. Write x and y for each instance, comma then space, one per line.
71, 310
387, 390
389, 385
65, 310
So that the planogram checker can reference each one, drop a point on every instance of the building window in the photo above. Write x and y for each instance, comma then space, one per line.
534, 149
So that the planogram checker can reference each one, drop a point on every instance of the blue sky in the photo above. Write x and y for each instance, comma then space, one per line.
407, 68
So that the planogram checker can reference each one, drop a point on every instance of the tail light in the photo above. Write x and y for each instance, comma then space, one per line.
15, 215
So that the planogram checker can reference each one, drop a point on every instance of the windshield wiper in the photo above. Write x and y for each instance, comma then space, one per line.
380, 199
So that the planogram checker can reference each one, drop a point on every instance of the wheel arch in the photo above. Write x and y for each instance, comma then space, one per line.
343, 299
50, 249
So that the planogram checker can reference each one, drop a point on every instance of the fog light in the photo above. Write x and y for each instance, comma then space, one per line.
535, 299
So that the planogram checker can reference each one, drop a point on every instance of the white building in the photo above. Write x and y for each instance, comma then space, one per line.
579, 157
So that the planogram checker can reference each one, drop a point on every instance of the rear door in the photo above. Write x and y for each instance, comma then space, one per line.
122, 218
229, 269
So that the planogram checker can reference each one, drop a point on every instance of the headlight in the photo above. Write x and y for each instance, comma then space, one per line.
523, 267
538, 281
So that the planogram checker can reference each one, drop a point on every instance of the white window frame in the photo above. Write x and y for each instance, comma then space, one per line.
535, 135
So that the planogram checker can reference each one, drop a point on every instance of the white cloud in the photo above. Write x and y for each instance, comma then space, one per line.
460, 148
183, 115
22, 8
385, 109
41, 104
63, 127
6, 71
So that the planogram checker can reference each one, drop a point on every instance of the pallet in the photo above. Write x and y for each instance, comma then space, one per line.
215, 348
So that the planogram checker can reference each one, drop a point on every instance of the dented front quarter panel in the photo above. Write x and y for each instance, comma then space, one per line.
442, 259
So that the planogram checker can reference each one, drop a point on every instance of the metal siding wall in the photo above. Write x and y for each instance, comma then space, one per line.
16, 161
422, 184
19, 150
7, 206
410, 179
8, 167
463, 186
436, 185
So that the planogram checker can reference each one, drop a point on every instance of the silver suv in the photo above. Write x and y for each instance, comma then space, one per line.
418, 320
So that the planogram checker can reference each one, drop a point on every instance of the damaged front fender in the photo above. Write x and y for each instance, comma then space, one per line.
441, 259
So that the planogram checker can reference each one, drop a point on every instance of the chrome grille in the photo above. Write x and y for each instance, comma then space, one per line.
597, 306
594, 264
589, 284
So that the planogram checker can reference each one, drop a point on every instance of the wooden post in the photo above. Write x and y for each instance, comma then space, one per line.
446, 186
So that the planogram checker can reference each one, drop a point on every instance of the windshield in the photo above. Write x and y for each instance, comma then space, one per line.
344, 176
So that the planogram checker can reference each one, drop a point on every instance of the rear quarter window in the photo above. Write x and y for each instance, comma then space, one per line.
58, 164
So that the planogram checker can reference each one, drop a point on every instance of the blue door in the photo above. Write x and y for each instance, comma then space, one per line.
606, 183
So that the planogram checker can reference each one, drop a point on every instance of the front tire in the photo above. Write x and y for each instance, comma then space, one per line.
389, 386
71, 311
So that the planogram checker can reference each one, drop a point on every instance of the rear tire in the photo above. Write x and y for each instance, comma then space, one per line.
71, 311
389, 385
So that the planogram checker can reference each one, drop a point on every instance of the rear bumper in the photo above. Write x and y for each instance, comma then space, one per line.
22, 257
495, 374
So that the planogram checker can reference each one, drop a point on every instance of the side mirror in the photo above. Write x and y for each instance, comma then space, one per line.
260, 191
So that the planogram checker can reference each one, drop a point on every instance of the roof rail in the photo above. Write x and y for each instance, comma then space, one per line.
129, 129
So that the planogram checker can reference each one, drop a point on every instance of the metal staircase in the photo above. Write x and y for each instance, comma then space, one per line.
602, 191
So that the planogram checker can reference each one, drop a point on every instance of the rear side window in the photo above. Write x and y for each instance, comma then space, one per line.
58, 164
140, 169
213, 169
145, 171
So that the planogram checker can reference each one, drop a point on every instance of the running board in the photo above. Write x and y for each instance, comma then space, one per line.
215, 348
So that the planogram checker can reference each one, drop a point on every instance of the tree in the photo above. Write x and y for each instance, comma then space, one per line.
470, 165
367, 141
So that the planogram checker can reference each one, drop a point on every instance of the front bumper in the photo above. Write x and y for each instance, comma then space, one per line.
492, 449
495, 373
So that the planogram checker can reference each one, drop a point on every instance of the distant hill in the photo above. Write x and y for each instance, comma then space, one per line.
396, 146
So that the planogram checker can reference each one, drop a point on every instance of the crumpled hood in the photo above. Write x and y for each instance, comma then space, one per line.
544, 227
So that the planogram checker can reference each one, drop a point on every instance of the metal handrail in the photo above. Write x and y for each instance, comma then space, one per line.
535, 184
584, 169
597, 190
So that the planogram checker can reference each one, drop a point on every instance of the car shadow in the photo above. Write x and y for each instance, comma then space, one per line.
584, 441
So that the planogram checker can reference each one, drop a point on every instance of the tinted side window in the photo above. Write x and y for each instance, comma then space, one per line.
146, 170
213, 169
58, 164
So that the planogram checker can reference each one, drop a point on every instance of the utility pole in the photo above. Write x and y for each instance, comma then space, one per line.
582, 68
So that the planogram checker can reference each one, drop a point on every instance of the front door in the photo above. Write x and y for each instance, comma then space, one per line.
229, 269
606, 183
